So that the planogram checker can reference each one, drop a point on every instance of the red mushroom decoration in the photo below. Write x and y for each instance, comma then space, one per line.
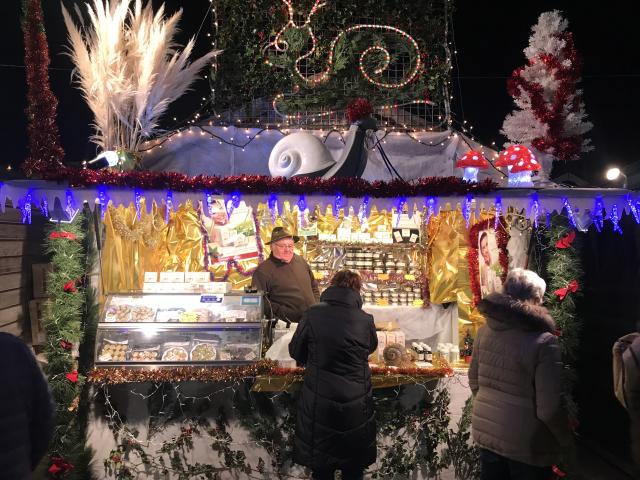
521, 163
472, 162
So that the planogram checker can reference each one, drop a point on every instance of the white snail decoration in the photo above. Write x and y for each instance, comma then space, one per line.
299, 153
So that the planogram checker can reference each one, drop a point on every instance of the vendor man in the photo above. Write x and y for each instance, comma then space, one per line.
286, 278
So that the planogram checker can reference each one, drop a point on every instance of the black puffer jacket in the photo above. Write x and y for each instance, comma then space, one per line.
335, 426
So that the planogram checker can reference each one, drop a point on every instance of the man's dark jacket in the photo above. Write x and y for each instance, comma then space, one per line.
335, 424
290, 286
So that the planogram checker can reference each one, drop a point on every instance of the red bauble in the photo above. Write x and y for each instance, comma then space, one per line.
70, 287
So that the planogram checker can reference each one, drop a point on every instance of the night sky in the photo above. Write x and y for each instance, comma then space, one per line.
489, 41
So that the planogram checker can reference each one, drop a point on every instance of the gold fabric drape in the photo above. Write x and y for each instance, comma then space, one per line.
135, 245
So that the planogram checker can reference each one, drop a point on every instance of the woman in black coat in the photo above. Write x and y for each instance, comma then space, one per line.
336, 427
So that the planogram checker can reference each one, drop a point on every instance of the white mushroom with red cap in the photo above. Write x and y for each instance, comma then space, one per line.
472, 162
521, 163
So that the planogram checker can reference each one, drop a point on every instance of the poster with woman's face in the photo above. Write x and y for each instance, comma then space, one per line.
489, 263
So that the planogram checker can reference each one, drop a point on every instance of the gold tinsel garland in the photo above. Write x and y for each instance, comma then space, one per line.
112, 376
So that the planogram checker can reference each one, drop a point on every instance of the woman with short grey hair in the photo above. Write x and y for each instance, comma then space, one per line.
515, 376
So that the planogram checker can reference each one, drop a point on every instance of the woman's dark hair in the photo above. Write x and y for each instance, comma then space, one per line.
347, 279
483, 235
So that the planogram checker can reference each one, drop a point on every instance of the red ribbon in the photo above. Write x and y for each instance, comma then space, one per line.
572, 287
72, 377
566, 241
63, 234
66, 345
70, 286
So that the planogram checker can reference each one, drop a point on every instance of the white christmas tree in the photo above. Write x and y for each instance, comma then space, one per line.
550, 114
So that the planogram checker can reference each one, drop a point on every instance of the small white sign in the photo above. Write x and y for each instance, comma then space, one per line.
196, 277
171, 277
150, 277
344, 234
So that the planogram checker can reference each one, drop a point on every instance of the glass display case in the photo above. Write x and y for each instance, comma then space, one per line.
180, 329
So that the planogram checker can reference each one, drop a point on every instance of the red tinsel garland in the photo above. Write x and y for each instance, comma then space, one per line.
358, 109
564, 147
45, 151
502, 239
262, 184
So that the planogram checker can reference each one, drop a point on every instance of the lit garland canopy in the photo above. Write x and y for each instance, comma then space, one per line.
310, 52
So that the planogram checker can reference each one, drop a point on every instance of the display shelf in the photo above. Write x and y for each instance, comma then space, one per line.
169, 329
146, 344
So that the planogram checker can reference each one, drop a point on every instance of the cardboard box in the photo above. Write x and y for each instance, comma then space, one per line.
40, 273
36, 314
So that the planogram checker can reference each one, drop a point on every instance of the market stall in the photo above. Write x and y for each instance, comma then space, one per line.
180, 343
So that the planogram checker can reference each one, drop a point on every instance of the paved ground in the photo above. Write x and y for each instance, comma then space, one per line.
596, 464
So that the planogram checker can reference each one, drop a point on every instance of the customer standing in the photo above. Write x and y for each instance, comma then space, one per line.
26, 410
515, 376
335, 427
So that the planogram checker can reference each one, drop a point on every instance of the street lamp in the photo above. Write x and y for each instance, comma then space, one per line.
614, 173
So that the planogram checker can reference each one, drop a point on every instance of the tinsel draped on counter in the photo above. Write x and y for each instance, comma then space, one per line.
264, 368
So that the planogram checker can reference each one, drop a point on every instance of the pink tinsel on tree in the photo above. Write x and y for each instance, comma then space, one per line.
550, 113
45, 151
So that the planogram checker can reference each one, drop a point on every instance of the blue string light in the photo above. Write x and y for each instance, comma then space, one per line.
70, 203
44, 206
233, 202
534, 210
548, 219
25, 208
168, 206
466, 209
400, 208
208, 200
615, 219
103, 200
567, 206
363, 212
633, 208
302, 203
137, 199
498, 207
431, 209
338, 204
273, 207
598, 214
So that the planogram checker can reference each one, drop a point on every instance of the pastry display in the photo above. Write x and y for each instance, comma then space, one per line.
143, 313
203, 352
118, 313
175, 354
145, 355
113, 352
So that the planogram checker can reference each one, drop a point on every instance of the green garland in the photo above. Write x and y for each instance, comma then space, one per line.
65, 317
244, 29
562, 266
410, 440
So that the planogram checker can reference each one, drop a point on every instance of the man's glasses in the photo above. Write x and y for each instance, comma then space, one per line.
284, 247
